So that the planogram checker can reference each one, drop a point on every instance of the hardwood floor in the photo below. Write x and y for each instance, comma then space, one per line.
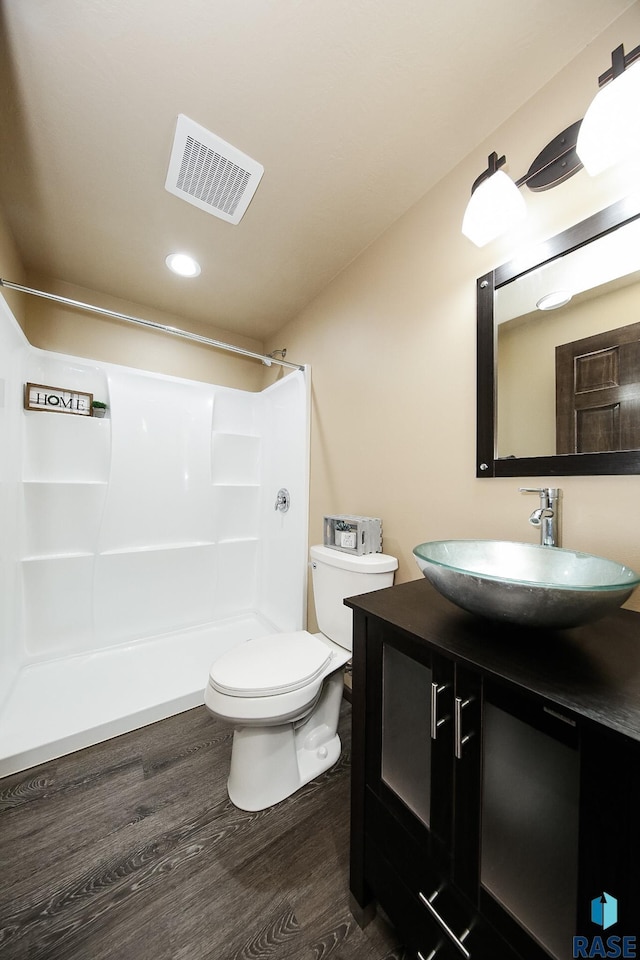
132, 849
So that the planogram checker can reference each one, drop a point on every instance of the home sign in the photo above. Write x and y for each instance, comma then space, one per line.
57, 400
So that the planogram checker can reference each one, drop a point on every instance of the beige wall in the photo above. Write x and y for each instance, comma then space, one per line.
66, 329
392, 347
11, 269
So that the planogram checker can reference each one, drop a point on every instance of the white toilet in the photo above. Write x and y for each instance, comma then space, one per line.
283, 691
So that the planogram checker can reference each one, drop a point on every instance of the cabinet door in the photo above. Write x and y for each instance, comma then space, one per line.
466, 744
530, 823
405, 763
609, 829
411, 742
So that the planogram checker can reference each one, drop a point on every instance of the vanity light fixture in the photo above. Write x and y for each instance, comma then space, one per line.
183, 264
609, 133
496, 203
495, 206
610, 130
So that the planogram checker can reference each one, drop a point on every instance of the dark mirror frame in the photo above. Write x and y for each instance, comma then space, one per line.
566, 465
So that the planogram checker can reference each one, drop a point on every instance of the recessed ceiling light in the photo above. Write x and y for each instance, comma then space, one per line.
551, 301
183, 264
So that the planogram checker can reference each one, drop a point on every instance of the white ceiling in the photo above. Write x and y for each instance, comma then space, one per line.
354, 107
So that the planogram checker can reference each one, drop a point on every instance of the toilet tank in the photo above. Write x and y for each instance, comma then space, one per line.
337, 575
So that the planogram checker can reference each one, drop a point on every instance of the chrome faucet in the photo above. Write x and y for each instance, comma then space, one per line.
547, 515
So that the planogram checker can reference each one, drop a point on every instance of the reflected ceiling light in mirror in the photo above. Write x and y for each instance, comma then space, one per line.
610, 131
183, 265
553, 300
495, 206
590, 267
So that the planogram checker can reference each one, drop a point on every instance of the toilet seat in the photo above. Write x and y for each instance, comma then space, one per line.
271, 665
315, 658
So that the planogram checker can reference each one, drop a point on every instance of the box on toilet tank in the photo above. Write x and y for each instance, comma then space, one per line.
351, 534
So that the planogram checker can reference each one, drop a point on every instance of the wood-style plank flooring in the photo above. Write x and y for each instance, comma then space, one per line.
132, 849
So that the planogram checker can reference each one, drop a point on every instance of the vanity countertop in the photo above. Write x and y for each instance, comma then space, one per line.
593, 670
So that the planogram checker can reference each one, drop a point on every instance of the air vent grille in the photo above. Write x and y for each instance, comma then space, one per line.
211, 174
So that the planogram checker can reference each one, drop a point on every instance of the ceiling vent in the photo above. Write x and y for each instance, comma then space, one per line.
211, 174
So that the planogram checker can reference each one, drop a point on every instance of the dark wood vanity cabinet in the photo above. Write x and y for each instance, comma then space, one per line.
495, 779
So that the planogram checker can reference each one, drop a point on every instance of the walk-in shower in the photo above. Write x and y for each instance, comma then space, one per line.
138, 547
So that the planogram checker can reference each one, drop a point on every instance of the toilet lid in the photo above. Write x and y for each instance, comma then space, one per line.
278, 663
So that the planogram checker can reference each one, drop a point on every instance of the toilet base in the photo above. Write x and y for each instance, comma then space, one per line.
268, 764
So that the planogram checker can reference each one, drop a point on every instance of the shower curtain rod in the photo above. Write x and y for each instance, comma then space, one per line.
175, 331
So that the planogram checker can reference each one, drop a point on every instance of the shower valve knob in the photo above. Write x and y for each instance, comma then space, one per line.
283, 500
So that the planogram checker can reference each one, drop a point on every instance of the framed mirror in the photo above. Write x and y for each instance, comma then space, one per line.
558, 362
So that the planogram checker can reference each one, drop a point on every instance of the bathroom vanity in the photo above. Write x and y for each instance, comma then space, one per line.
495, 780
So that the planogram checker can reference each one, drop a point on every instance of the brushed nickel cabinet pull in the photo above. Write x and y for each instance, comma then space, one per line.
435, 723
457, 941
459, 740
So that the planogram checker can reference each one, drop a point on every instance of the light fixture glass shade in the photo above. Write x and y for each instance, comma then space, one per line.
495, 206
610, 131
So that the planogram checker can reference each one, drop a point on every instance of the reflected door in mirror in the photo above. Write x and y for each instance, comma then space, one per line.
598, 392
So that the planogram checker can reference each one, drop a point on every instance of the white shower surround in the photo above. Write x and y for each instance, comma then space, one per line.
138, 547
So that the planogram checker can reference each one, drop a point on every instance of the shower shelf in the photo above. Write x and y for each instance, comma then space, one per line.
70, 483
239, 540
217, 483
157, 547
72, 555
65, 449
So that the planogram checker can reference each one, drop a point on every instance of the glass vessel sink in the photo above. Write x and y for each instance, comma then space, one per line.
525, 583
